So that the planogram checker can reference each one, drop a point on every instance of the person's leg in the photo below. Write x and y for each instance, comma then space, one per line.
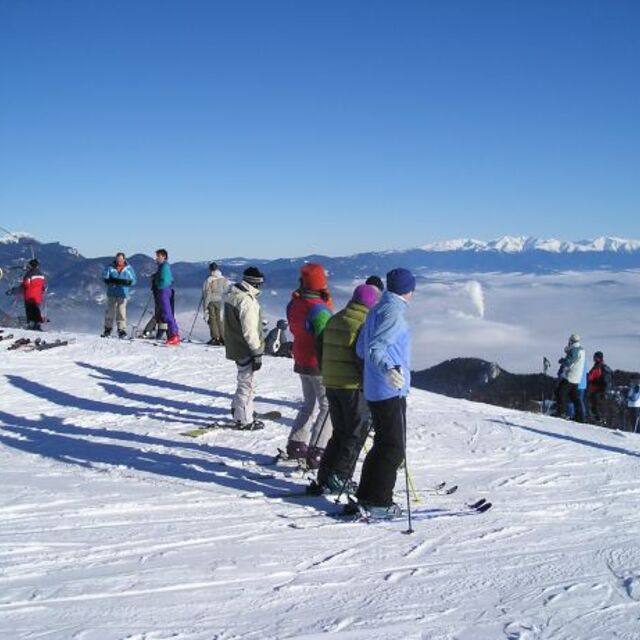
385, 457
217, 315
167, 312
212, 320
302, 424
336, 442
121, 316
322, 427
109, 315
574, 396
242, 403
358, 419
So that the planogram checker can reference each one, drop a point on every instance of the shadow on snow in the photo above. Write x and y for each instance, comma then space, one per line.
126, 377
50, 437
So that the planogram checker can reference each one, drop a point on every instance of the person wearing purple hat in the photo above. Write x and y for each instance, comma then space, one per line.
385, 347
342, 378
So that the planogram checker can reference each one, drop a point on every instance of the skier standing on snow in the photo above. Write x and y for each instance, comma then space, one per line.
633, 403
33, 287
571, 367
342, 378
243, 342
600, 380
278, 341
162, 287
384, 344
212, 293
308, 312
118, 277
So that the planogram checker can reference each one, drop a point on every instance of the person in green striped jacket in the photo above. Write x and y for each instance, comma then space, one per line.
342, 378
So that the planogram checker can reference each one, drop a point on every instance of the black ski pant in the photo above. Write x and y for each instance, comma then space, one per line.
595, 400
568, 392
382, 462
32, 311
350, 419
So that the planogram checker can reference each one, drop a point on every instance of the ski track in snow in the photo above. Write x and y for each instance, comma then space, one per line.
115, 526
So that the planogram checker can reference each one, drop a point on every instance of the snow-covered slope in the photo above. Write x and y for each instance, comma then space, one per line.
114, 526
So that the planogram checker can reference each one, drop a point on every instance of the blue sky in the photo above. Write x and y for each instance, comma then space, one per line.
280, 128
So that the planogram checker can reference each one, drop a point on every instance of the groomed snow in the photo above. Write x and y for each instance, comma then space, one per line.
115, 526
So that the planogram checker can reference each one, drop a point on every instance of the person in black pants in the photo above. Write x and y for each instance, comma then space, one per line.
384, 345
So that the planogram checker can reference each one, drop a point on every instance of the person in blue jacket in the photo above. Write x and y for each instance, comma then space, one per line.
162, 287
119, 277
384, 344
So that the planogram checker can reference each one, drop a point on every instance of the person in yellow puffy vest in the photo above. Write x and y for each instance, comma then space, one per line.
342, 377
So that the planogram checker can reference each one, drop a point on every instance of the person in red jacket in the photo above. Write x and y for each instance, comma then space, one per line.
307, 313
599, 381
33, 287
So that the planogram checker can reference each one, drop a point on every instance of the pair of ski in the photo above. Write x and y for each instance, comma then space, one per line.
233, 425
3, 337
25, 344
355, 512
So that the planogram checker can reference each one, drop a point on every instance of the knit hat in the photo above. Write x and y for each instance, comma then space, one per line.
33, 263
282, 325
598, 355
376, 281
213, 266
573, 338
401, 281
313, 277
253, 276
366, 294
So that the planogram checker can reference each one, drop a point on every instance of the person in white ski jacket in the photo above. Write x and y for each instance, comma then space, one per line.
571, 368
633, 403
213, 291
244, 343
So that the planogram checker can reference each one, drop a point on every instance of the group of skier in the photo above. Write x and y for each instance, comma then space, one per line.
354, 369
581, 391
353, 365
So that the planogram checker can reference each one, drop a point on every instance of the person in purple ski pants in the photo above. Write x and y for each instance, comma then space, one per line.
163, 292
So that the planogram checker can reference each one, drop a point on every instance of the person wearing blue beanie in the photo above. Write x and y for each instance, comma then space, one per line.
384, 344
401, 281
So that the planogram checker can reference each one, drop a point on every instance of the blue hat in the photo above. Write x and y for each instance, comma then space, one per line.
400, 281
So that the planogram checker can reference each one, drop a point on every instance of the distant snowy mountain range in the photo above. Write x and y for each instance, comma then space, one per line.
72, 274
521, 244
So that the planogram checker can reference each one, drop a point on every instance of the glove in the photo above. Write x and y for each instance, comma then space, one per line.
256, 363
395, 378
125, 282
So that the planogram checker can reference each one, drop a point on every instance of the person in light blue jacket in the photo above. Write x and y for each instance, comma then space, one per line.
119, 277
384, 344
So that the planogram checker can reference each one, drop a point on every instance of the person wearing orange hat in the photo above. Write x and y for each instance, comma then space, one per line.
308, 312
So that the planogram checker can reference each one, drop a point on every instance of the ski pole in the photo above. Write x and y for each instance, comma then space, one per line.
406, 466
144, 311
193, 324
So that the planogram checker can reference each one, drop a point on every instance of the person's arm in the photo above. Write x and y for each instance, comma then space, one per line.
249, 313
384, 335
317, 318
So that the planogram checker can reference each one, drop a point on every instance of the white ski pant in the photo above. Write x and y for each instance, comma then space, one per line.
314, 431
242, 403
116, 308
